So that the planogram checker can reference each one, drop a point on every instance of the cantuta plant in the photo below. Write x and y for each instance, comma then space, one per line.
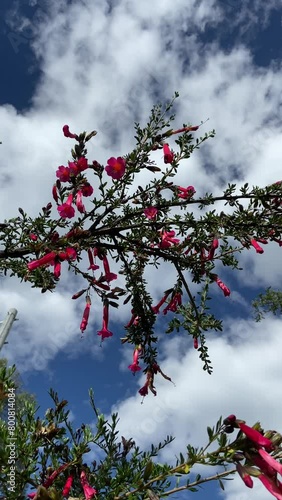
131, 225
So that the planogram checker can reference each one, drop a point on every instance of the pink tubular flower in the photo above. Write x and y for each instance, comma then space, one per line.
150, 212
263, 466
174, 303
213, 248
168, 240
270, 460
186, 192
89, 492
221, 285
66, 210
79, 205
33, 237
115, 167
85, 316
274, 488
63, 173
156, 309
257, 247
50, 480
92, 266
87, 189
104, 332
256, 436
168, 154
135, 365
67, 487
57, 268
46, 259
67, 133
244, 475
196, 343
109, 276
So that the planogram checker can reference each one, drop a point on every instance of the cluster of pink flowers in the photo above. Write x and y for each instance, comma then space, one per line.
89, 492
259, 462
54, 259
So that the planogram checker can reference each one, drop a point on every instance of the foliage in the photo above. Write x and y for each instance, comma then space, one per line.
131, 227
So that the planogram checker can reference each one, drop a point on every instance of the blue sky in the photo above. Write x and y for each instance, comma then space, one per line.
102, 65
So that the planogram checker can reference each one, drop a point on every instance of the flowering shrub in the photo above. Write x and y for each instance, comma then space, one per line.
125, 231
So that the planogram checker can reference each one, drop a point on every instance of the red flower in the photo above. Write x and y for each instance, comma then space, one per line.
196, 343
67, 487
156, 309
66, 210
274, 488
244, 475
168, 154
79, 205
89, 492
46, 259
213, 248
150, 212
85, 316
221, 285
87, 189
67, 133
186, 192
168, 240
115, 167
257, 246
91, 260
108, 275
33, 237
270, 460
63, 173
57, 269
135, 365
104, 332
55, 193
256, 436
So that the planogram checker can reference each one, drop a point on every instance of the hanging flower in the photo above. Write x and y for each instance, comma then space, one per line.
79, 205
92, 265
85, 316
168, 154
257, 247
109, 276
221, 285
104, 332
67, 487
244, 475
156, 309
135, 365
115, 167
66, 210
